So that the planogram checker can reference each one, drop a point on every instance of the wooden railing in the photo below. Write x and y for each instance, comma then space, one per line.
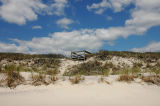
79, 55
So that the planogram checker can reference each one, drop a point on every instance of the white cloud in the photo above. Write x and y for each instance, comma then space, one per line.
58, 7
145, 15
37, 27
99, 7
4, 47
152, 47
116, 5
119, 5
59, 42
21, 11
109, 18
64, 22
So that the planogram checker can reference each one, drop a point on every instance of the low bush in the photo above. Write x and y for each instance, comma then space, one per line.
53, 78
76, 79
13, 79
126, 78
152, 79
39, 79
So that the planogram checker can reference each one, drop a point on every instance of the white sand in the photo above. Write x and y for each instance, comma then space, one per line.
87, 93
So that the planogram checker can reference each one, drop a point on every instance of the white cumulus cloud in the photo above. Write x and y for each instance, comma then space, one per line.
4, 47
152, 47
145, 15
59, 42
115, 5
64, 22
58, 7
21, 11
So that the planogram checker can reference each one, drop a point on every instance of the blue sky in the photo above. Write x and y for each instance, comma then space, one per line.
61, 26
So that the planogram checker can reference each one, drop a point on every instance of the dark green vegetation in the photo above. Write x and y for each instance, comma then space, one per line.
21, 56
148, 56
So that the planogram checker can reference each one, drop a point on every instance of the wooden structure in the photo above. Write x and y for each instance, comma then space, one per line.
79, 55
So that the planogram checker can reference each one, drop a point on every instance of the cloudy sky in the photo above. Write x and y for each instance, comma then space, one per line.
60, 26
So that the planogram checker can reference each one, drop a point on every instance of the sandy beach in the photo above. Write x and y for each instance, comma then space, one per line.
88, 93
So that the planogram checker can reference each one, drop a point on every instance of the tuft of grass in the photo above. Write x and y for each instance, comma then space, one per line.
13, 79
53, 78
10, 67
52, 71
126, 78
39, 79
76, 79
13, 67
152, 79
106, 72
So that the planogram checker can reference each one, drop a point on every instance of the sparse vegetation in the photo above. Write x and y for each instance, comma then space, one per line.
88, 68
126, 77
147, 57
53, 78
76, 79
21, 56
13, 79
39, 79
46, 67
152, 79
127, 70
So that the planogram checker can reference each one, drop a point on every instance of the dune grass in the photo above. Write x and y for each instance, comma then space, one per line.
21, 56
152, 79
148, 56
88, 68
126, 77
76, 79
39, 79
13, 79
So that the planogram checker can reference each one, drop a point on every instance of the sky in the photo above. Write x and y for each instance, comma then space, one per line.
61, 26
